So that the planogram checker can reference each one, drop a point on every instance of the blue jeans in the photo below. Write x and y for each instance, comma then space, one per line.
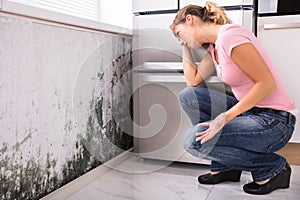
246, 143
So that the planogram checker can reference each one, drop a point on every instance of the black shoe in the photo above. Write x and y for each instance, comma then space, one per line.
231, 175
281, 181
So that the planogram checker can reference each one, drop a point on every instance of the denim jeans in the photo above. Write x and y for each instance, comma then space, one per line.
246, 143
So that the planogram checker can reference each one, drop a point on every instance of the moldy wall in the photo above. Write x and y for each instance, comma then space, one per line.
58, 88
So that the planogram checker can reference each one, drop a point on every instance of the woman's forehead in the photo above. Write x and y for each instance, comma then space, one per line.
177, 30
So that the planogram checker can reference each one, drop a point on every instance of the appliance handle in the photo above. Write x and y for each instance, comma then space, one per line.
281, 26
174, 79
164, 79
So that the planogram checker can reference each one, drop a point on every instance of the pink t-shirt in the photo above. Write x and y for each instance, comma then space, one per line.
231, 36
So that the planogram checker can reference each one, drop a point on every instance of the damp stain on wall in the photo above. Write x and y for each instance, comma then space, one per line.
49, 135
25, 181
33, 180
104, 137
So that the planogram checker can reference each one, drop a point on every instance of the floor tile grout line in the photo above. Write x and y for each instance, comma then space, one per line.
209, 192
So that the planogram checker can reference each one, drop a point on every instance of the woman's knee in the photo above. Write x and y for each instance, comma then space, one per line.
185, 94
189, 138
192, 94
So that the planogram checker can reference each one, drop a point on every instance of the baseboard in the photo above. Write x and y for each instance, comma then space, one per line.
67, 190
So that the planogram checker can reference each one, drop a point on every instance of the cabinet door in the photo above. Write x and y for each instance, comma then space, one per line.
279, 35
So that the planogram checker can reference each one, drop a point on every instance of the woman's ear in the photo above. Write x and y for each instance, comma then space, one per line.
189, 19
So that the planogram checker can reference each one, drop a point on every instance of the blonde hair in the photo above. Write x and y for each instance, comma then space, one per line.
211, 13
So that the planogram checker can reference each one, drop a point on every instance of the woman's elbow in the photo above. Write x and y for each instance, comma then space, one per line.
271, 86
193, 83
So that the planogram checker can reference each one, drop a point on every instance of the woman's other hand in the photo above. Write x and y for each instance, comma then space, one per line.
214, 127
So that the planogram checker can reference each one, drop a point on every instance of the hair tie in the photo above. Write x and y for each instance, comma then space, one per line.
205, 11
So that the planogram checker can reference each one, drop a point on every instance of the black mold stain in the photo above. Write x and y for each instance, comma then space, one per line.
121, 67
102, 137
34, 181
81, 163
31, 181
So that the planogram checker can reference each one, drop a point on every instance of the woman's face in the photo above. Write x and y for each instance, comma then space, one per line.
187, 33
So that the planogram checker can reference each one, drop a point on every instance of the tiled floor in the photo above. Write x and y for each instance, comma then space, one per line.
140, 179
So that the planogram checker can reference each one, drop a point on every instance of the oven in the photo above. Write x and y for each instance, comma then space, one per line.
160, 121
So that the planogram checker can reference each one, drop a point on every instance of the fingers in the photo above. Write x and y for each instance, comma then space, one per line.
214, 127
205, 139
204, 124
202, 133
202, 137
206, 135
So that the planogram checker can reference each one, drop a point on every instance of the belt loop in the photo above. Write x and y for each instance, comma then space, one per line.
291, 118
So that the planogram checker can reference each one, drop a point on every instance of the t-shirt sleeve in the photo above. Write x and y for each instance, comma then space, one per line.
234, 38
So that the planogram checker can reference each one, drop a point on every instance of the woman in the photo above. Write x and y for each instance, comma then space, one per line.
241, 132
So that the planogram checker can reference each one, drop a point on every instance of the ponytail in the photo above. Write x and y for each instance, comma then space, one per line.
216, 14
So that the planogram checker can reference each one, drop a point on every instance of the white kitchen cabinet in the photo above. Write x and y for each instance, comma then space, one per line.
279, 35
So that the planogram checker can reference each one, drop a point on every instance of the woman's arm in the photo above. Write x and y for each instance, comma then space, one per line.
196, 75
247, 58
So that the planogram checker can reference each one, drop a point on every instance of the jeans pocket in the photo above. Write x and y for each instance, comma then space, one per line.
277, 145
263, 119
283, 134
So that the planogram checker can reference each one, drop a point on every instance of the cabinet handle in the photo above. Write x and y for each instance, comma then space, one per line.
164, 79
282, 26
176, 79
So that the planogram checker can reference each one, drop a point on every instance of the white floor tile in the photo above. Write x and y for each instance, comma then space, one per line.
154, 180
